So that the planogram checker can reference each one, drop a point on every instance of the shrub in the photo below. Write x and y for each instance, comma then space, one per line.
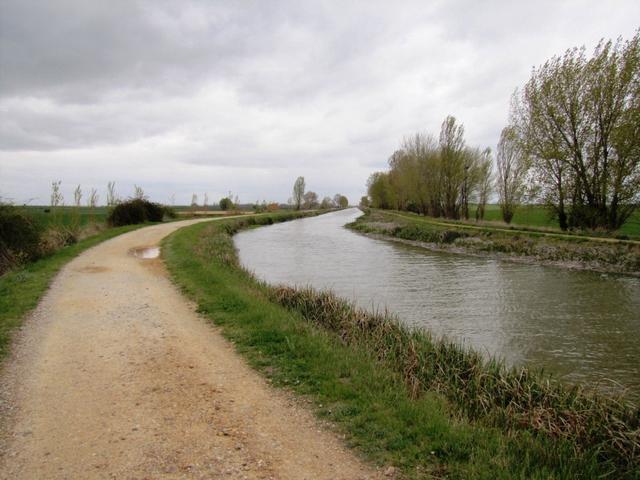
136, 210
170, 212
19, 238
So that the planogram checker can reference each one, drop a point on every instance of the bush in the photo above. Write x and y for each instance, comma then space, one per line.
135, 211
170, 212
19, 238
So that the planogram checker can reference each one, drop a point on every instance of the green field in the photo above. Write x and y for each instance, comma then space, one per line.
538, 216
67, 216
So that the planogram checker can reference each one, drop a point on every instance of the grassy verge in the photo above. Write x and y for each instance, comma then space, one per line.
606, 254
431, 409
21, 289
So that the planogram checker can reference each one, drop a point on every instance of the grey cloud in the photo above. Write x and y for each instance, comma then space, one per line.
249, 94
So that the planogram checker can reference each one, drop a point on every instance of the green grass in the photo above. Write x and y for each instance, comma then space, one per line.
538, 216
21, 289
367, 399
66, 216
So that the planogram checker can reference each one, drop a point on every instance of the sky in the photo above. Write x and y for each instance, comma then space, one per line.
183, 97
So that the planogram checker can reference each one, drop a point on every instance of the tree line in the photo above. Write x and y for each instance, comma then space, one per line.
309, 200
572, 143
440, 178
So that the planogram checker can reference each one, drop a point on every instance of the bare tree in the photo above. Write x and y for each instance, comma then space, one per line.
77, 196
298, 192
194, 200
138, 193
93, 199
56, 196
310, 200
326, 203
205, 202
513, 166
112, 197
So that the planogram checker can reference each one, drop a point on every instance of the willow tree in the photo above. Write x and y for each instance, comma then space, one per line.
512, 168
452, 171
577, 118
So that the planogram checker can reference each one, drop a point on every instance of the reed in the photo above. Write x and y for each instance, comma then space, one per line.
484, 389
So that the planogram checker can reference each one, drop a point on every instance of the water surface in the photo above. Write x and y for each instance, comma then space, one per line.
581, 326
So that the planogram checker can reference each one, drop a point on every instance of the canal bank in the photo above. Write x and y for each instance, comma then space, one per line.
582, 327
380, 398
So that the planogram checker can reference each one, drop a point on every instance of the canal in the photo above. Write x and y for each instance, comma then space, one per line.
580, 326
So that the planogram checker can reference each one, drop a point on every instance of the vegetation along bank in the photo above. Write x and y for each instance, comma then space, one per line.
428, 407
528, 245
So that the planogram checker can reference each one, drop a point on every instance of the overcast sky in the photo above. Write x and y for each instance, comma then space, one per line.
211, 96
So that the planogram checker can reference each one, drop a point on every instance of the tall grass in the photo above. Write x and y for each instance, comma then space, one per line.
513, 399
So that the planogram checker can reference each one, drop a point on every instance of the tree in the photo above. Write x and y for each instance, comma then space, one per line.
226, 204
578, 120
138, 193
56, 196
298, 192
340, 201
453, 167
93, 199
310, 200
364, 202
484, 176
112, 197
205, 202
513, 166
438, 178
380, 190
194, 200
77, 196
326, 203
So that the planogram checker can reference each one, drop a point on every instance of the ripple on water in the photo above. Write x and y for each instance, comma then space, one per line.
578, 325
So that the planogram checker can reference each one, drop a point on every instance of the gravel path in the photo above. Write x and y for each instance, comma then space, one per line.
114, 375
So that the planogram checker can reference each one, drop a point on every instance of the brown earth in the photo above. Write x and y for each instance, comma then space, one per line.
115, 376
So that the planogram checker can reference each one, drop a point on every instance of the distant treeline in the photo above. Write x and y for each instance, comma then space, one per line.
572, 143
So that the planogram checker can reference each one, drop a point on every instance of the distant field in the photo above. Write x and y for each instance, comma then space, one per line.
67, 215
538, 216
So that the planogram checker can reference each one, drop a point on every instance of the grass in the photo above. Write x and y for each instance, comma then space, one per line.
66, 216
380, 384
538, 216
21, 289
602, 254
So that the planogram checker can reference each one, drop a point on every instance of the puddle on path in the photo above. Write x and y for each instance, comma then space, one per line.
145, 252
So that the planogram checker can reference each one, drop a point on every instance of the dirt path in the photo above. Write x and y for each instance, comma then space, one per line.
115, 376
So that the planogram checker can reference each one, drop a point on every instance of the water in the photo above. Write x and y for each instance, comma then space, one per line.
581, 326
146, 252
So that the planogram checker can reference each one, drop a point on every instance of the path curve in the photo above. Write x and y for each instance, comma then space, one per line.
114, 375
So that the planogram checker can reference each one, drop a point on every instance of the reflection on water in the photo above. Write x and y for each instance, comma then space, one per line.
579, 325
